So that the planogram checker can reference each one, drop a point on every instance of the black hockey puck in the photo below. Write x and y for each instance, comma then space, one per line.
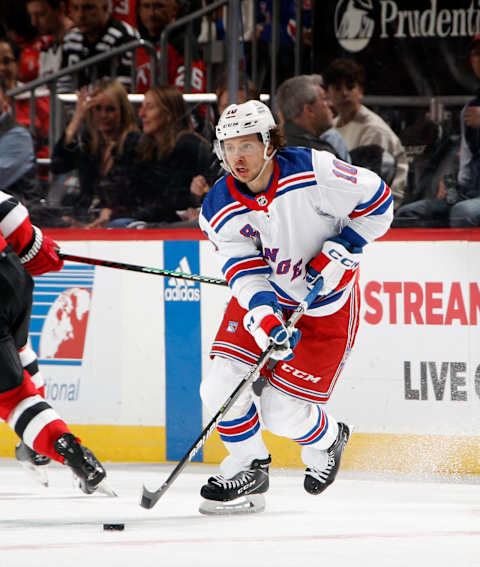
114, 527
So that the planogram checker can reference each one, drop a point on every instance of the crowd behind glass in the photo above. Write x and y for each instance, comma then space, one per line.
120, 164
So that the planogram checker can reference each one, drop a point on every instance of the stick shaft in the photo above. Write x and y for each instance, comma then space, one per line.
142, 269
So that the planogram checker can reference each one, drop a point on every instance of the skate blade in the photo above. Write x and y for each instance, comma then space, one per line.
250, 504
102, 488
38, 473
106, 489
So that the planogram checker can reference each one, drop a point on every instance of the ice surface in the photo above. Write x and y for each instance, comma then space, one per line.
361, 520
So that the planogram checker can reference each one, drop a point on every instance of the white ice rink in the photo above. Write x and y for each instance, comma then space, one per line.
359, 521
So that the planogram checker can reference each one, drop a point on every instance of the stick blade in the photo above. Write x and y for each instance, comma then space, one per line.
149, 499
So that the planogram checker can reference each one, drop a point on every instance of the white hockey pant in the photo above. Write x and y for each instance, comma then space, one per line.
280, 413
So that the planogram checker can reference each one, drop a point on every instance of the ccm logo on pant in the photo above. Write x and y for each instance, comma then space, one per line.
300, 373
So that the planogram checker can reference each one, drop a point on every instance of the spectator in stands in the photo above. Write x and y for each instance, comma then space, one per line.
17, 167
17, 159
100, 142
96, 32
246, 91
50, 19
286, 64
307, 115
170, 154
153, 16
457, 202
9, 63
358, 125
18, 29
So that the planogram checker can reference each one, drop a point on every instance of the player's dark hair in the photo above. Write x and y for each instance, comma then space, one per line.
277, 138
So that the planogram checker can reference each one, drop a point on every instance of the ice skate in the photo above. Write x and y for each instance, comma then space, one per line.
86, 468
317, 480
241, 494
34, 463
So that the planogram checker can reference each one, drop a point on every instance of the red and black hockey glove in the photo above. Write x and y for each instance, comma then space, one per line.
40, 256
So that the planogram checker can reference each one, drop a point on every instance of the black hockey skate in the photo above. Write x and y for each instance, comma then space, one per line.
240, 494
317, 480
85, 466
34, 463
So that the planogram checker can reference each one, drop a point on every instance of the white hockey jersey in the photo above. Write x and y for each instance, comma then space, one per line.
264, 241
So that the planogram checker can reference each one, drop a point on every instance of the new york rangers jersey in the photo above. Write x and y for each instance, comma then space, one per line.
264, 241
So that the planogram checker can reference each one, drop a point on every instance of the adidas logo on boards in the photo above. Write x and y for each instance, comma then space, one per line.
178, 289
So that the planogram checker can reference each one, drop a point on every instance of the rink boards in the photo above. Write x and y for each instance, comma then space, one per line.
123, 353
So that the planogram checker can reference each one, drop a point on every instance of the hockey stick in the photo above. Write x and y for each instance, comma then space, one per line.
149, 499
143, 269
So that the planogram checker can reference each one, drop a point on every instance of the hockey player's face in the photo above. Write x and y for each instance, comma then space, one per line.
244, 156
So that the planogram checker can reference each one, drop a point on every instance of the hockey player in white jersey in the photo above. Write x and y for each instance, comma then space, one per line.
281, 219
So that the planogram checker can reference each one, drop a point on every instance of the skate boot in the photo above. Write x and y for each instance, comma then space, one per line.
241, 494
317, 480
85, 466
34, 463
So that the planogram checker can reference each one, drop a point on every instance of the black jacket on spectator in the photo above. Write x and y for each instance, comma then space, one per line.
298, 136
163, 186
114, 191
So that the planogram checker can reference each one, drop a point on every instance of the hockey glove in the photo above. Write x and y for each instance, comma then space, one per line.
40, 255
265, 323
336, 265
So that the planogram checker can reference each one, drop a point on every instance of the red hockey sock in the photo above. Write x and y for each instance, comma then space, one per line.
45, 441
32, 418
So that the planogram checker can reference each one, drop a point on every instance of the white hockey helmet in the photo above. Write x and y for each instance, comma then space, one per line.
251, 117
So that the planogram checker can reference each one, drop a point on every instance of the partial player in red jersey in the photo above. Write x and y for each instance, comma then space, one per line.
26, 251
